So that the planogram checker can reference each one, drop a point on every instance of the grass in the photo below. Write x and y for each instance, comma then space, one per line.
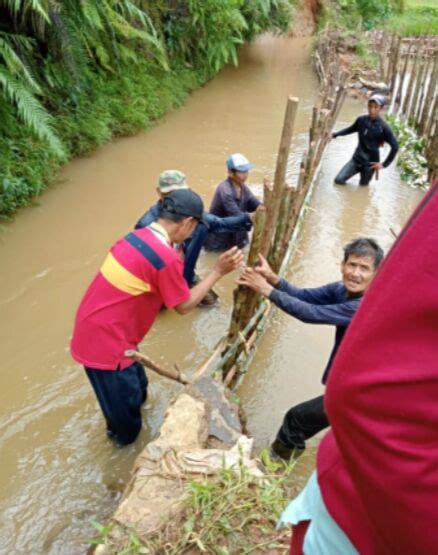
419, 18
231, 512
421, 3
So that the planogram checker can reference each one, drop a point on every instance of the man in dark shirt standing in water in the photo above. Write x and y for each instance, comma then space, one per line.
373, 131
333, 304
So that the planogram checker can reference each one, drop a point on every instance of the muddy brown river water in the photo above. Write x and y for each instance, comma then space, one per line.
58, 471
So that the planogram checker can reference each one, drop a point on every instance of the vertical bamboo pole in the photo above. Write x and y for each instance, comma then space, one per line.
418, 81
424, 81
402, 85
241, 293
295, 204
432, 142
408, 97
429, 97
267, 192
395, 63
277, 247
429, 127
280, 172
389, 56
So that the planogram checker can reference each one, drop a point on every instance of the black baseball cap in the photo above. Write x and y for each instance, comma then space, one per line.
184, 202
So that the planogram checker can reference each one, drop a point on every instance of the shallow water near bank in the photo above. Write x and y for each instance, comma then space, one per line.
58, 470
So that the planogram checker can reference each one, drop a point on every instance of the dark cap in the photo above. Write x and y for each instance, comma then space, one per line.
184, 202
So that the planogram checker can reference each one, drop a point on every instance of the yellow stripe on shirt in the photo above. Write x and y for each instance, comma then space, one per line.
121, 278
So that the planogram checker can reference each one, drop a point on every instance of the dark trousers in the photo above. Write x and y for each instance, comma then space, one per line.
120, 394
352, 168
303, 422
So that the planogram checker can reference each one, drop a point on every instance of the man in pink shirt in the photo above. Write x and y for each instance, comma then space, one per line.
141, 273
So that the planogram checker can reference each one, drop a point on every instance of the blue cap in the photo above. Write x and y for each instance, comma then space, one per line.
239, 162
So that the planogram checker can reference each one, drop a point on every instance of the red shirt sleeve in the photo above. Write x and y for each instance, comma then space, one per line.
172, 286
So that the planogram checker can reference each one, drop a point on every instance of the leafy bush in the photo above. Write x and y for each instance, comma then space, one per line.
74, 73
411, 160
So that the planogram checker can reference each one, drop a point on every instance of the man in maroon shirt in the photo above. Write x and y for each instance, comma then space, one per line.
377, 469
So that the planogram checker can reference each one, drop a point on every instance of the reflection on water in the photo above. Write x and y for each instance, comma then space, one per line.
58, 469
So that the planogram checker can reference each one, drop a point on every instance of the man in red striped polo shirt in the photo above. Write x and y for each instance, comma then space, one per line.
141, 273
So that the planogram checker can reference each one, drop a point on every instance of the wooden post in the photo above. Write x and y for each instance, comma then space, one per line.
432, 142
431, 120
243, 294
402, 84
267, 192
388, 75
418, 82
277, 254
424, 80
380, 52
408, 96
280, 173
395, 62
429, 97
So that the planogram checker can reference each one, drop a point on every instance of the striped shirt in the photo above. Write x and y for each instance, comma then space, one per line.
140, 274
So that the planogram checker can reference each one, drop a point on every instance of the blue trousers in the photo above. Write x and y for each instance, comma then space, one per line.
352, 168
121, 394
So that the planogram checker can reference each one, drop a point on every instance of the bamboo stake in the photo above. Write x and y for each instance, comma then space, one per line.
408, 97
389, 58
380, 52
294, 211
267, 192
276, 257
172, 373
402, 85
395, 61
422, 92
280, 173
430, 124
243, 294
429, 97
413, 106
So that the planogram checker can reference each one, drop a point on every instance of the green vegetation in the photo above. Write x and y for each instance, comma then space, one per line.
411, 160
222, 514
73, 73
359, 14
419, 18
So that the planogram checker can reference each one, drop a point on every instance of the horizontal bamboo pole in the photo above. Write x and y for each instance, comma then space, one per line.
172, 373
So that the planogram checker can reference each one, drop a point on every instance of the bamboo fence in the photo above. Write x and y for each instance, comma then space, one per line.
410, 68
276, 226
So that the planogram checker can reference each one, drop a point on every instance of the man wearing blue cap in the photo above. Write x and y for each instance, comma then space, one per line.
373, 132
174, 180
232, 198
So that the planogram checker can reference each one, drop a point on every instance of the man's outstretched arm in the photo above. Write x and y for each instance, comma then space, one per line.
347, 130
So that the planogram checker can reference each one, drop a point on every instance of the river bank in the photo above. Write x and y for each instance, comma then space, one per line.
76, 75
